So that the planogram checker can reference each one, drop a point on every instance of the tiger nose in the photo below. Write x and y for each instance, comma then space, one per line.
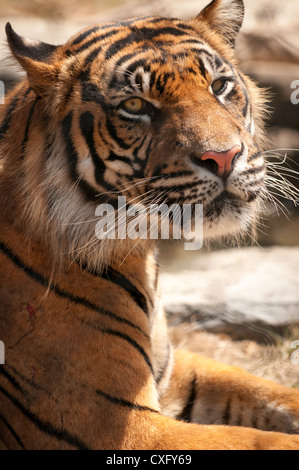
220, 163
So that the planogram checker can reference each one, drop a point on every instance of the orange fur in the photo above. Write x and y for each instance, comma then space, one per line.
88, 361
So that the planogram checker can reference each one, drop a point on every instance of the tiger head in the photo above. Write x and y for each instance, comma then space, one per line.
153, 109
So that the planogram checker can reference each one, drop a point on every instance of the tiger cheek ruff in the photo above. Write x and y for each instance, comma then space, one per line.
156, 110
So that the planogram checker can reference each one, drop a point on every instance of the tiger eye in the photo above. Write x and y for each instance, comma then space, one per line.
133, 105
218, 86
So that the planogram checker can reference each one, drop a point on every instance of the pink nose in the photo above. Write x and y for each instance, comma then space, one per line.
222, 159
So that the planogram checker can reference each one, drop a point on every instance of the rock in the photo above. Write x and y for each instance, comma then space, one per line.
248, 293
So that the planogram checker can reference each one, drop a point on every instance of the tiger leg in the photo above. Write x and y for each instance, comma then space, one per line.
207, 392
163, 433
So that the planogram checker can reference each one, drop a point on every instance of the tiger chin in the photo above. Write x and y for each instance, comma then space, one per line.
154, 110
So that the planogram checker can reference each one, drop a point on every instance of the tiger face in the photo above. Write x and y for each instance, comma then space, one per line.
155, 110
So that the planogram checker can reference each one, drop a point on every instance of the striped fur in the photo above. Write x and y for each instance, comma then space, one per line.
89, 364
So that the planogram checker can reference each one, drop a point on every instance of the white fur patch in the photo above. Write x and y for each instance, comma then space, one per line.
86, 170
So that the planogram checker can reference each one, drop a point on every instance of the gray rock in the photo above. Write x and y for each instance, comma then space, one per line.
250, 293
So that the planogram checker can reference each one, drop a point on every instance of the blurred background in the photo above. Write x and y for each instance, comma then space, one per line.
263, 280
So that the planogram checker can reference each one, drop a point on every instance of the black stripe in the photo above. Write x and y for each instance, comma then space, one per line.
88, 191
151, 19
87, 129
111, 275
186, 414
136, 154
255, 170
62, 293
246, 107
254, 419
12, 431
12, 380
122, 402
252, 197
181, 187
218, 62
139, 63
182, 25
239, 420
157, 170
130, 341
124, 58
91, 93
191, 41
160, 85
91, 56
113, 134
27, 380
122, 281
141, 172
119, 62
232, 93
25, 140
202, 51
227, 412
113, 157
192, 71
141, 34
163, 79
96, 39
27, 92
6, 122
152, 79
202, 68
177, 174
254, 156
44, 426
267, 425
244, 88
180, 200
85, 35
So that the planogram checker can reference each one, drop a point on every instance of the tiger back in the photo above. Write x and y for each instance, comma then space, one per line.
154, 110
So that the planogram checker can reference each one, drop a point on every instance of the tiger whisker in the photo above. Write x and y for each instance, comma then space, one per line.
278, 204
138, 241
121, 226
95, 239
119, 193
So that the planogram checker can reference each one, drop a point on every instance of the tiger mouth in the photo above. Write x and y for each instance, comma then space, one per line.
224, 201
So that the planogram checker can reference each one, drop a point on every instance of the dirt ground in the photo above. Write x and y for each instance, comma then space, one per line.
270, 361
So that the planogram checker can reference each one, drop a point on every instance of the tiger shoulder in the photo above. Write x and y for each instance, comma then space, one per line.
154, 111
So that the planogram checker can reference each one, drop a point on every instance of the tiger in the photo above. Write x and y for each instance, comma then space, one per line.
151, 109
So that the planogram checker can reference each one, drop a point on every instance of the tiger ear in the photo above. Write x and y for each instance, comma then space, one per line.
36, 58
225, 17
